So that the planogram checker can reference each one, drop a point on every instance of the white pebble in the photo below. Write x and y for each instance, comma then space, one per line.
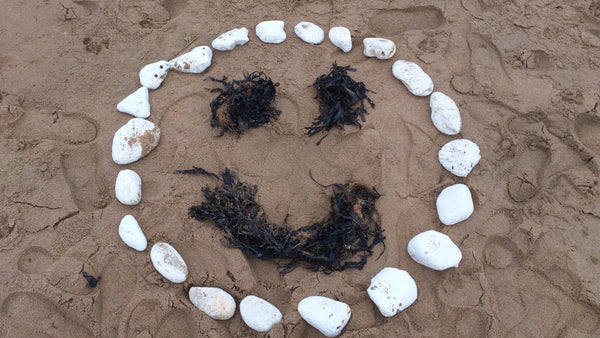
195, 61
128, 187
152, 75
341, 38
228, 40
215, 302
392, 290
259, 314
459, 156
435, 250
325, 314
380, 48
131, 233
454, 204
271, 31
168, 262
136, 104
134, 140
414, 78
309, 32
444, 114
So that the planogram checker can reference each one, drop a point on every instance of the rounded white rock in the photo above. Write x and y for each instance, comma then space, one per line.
215, 302
228, 40
259, 314
325, 314
195, 61
128, 187
168, 262
152, 75
444, 114
392, 290
136, 104
134, 140
131, 233
414, 78
380, 48
459, 156
435, 250
454, 204
271, 31
341, 38
309, 32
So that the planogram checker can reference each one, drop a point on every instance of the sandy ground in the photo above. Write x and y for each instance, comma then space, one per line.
525, 75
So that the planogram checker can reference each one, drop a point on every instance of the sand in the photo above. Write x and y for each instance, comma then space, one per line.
523, 73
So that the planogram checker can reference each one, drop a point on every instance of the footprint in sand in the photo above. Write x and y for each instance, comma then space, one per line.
149, 14
393, 22
587, 128
526, 180
34, 260
147, 319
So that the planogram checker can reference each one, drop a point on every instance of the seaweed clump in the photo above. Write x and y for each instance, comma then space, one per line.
342, 101
352, 227
243, 104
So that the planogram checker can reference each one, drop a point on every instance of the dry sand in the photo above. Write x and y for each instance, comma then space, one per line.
525, 75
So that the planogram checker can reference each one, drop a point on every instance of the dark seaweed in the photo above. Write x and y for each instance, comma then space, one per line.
342, 101
91, 280
352, 227
243, 104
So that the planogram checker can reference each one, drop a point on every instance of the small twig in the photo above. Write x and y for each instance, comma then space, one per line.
189, 42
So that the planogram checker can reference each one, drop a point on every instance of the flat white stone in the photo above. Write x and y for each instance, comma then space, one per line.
444, 114
309, 32
435, 250
152, 75
168, 262
215, 302
195, 61
228, 40
392, 290
136, 104
380, 48
454, 204
128, 187
459, 156
259, 314
134, 140
325, 314
271, 31
414, 78
341, 38
131, 233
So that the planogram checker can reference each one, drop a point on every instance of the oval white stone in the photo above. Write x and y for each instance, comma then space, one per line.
435, 250
168, 262
271, 31
380, 48
128, 187
259, 314
454, 204
309, 32
136, 104
215, 302
228, 40
195, 61
444, 114
414, 78
459, 156
152, 75
131, 233
341, 38
134, 140
392, 290
325, 314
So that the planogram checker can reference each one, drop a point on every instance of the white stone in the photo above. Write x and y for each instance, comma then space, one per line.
325, 314
215, 302
134, 140
195, 61
259, 314
380, 48
131, 233
136, 104
228, 40
168, 262
459, 156
414, 78
435, 250
271, 31
152, 75
454, 204
128, 187
392, 290
341, 38
444, 114
309, 32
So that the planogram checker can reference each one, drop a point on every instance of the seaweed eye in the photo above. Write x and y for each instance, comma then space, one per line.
161, 67
155, 75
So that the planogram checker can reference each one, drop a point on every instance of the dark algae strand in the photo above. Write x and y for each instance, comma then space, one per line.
91, 280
